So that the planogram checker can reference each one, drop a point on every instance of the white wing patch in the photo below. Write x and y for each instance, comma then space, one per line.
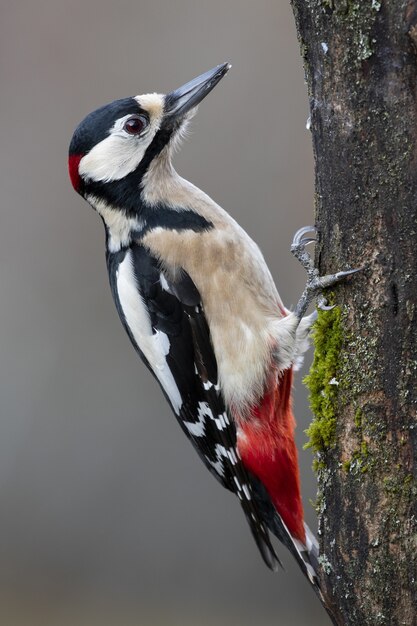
155, 346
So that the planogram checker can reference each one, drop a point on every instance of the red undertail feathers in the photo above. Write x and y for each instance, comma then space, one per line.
267, 448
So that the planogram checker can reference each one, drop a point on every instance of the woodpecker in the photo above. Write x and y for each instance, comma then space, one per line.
200, 307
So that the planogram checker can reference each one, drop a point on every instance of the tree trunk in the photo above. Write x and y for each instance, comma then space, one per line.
361, 68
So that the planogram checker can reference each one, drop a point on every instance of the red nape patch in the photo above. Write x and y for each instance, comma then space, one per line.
268, 450
73, 163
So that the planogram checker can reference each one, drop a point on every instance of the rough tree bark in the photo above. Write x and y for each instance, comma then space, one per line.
360, 61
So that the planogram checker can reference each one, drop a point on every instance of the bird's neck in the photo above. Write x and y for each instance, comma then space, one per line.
131, 207
163, 186
119, 226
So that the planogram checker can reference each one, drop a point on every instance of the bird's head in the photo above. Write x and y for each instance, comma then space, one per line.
113, 147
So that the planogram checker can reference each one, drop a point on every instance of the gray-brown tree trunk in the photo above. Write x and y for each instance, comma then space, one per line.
361, 67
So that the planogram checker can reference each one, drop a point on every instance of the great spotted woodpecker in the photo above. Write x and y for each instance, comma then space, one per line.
199, 304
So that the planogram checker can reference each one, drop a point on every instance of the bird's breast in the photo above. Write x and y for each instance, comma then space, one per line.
240, 304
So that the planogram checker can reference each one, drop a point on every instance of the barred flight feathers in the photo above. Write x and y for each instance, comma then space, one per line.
166, 323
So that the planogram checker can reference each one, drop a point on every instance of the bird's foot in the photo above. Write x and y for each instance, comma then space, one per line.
315, 282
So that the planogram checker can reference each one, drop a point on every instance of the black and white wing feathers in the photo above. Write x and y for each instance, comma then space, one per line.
165, 320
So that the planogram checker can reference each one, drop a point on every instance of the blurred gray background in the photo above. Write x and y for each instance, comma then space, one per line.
107, 515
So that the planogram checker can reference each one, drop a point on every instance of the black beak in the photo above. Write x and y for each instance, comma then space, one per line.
178, 102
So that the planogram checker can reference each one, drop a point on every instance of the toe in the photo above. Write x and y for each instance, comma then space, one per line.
300, 234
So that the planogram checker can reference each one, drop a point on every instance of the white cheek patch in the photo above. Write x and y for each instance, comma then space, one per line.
114, 157
155, 346
119, 154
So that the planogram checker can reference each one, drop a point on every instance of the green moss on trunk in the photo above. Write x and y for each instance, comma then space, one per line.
322, 380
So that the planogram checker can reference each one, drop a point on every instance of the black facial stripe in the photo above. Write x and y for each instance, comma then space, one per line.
162, 137
166, 217
96, 126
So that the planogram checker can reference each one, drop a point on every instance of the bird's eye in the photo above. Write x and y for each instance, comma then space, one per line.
135, 124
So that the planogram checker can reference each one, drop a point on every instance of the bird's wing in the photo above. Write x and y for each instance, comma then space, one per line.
165, 319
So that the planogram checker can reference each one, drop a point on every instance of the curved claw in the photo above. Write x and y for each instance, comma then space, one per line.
306, 240
322, 304
341, 275
331, 279
302, 244
298, 237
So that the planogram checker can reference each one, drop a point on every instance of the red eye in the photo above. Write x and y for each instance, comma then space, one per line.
135, 124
